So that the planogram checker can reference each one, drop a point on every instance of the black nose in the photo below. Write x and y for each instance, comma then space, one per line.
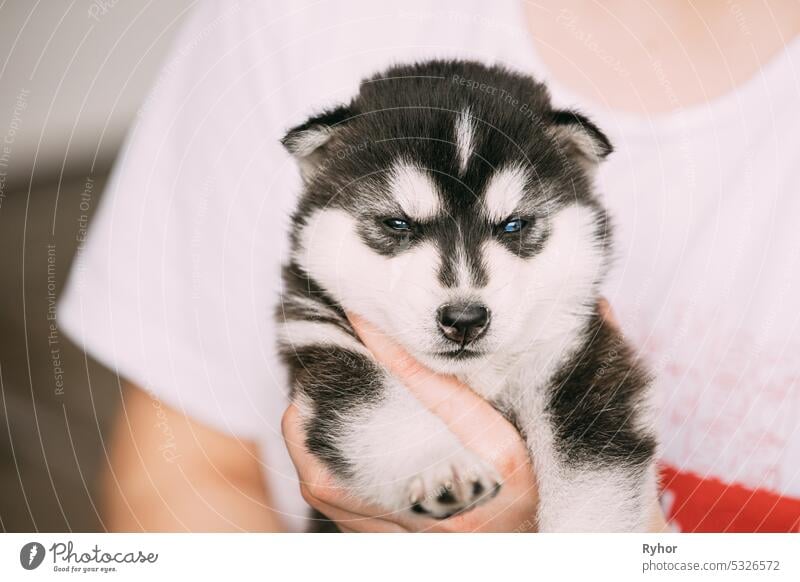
463, 322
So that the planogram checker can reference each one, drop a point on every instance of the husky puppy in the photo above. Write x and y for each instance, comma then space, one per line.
452, 206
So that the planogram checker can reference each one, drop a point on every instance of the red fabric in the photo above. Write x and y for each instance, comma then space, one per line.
705, 504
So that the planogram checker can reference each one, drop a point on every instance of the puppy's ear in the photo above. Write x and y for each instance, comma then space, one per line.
581, 136
309, 142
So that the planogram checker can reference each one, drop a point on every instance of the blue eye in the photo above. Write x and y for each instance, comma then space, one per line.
397, 224
513, 225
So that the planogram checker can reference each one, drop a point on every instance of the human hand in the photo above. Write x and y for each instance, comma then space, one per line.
473, 420
479, 426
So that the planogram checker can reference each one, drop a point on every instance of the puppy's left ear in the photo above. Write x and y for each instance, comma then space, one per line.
581, 136
310, 142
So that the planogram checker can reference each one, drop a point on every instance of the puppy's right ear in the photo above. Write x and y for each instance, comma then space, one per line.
309, 142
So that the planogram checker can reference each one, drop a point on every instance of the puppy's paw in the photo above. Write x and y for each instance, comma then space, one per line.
452, 486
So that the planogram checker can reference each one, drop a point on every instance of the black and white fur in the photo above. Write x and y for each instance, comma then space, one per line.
458, 151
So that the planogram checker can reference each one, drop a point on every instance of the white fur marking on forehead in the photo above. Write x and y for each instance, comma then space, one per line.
465, 137
414, 191
463, 274
504, 192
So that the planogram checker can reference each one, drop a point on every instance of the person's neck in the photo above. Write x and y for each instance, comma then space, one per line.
651, 57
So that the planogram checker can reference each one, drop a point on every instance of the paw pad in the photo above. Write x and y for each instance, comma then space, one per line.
442, 493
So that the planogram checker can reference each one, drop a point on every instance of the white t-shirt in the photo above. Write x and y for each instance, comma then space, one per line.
176, 285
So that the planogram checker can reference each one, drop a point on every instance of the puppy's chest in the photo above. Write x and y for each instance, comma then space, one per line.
518, 388
508, 384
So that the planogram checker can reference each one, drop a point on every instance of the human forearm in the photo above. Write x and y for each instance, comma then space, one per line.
208, 482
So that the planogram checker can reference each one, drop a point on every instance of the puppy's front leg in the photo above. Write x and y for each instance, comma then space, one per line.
585, 487
592, 440
375, 437
596, 500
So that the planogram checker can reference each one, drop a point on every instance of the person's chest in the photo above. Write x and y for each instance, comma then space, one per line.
706, 285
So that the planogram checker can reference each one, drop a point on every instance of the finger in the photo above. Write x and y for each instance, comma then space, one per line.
316, 482
473, 420
606, 312
319, 487
310, 470
353, 522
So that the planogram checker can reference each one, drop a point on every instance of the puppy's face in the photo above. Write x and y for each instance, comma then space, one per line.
461, 231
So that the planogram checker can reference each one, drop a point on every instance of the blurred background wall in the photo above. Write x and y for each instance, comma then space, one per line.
72, 75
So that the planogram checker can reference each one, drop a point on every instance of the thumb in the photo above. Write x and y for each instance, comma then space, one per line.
473, 420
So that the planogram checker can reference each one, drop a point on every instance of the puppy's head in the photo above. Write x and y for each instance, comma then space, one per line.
451, 205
